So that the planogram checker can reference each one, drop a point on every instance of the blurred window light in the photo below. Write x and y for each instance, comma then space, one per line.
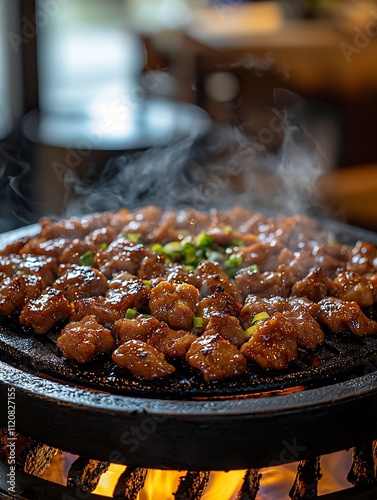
10, 72
83, 52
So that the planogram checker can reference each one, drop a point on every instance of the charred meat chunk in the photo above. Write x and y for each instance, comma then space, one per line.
44, 311
78, 282
120, 255
174, 304
17, 291
273, 345
268, 284
339, 316
315, 286
73, 252
138, 328
84, 340
219, 303
228, 327
172, 343
364, 258
215, 357
309, 333
178, 274
151, 266
45, 267
142, 360
211, 276
132, 293
41, 246
351, 286
255, 305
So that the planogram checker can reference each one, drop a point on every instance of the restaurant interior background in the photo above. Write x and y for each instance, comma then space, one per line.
112, 102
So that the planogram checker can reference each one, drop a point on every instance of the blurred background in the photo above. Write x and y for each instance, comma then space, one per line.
105, 103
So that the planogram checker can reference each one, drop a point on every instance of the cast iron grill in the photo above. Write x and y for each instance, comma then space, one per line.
324, 402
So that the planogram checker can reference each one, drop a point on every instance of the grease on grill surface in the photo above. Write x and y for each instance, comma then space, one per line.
185, 295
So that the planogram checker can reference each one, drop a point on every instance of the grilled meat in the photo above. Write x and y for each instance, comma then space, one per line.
217, 291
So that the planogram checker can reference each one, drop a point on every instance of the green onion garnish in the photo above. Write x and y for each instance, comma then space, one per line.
147, 283
250, 331
254, 267
148, 315
198, 322
233, 261
86, 259
204, 240
132, 237
131, 313
259, 317
104, 246
157, 247
172, 247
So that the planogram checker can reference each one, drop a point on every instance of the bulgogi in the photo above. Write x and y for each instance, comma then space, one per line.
219, 291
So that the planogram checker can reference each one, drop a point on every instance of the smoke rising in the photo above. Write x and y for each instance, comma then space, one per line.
221, 169
18, 204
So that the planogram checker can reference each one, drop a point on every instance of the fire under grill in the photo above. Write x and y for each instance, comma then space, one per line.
83, 476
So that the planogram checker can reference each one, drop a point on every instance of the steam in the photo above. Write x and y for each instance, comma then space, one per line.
221, 169
18, 205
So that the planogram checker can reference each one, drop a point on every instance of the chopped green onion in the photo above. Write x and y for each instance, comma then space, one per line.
86, 259
233, 261
253, 267
215, 257
133, 237
131, 313
204, 240
250, 331
148, 315
147, 283
198, 322
157, 247
227, 229
260, 316
172, 247
104, 246
238, 243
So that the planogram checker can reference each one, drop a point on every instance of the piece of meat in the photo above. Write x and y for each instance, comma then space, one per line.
152, 266
273, 345
41, 246
211, 276
84, 340
133, 293
15, 246
78, 282
45, 267
267, 284
120, 255
309, 333
16, 291
74, 250
104, 311
254, 305
44, 311
351, 286
174, 304
143, 221
228, 327
219, 303
263, 254
138, 328
339, 316
66, 228
363, 258
192, 220
142, 360
101, 236
215, 357
178, 274
315, 286
172, 343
